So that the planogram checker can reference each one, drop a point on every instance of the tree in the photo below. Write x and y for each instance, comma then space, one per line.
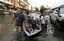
36, 9
42, 9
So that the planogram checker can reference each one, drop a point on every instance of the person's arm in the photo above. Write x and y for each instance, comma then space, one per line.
24, 20
38, 26
14, 17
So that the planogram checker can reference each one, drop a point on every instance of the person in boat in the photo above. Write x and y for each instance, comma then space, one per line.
20, 18
29, 24
37, 23
34, 24
28, 27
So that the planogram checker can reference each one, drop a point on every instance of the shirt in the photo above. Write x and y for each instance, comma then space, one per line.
33, 21
47, 18
43, 19
29, 21
19, 17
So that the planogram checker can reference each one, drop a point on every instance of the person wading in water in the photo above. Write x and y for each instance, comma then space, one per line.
43, 19
19, 19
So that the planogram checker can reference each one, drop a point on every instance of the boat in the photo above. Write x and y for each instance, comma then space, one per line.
32, 33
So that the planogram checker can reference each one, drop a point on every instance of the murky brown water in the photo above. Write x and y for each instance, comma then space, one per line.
7, 32
5, 26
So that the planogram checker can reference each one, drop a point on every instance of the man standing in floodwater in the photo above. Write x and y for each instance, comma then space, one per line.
20, 18
44, 20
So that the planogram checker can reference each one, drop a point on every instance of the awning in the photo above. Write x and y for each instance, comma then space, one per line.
1, 4
5, 4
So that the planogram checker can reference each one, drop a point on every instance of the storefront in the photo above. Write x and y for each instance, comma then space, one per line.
1, 5
5, 5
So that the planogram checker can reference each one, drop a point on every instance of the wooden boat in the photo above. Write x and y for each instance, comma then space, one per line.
32, 33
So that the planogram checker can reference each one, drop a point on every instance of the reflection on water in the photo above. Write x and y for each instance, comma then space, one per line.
5, 25
4, 20
7, 32
45, 35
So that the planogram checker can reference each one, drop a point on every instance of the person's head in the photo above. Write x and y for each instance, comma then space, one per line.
29, 17
20, 10
32, 17
43, 14
36, 19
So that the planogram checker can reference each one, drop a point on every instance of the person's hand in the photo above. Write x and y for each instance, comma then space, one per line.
12, 22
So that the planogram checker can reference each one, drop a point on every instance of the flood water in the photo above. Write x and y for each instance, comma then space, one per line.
7, 32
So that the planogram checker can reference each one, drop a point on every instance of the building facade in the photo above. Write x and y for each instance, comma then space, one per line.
32, 8
11, 2
24, 4
16, 3
7, 3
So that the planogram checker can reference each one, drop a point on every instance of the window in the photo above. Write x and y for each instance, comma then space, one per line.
61, 10
12, 1
7, 0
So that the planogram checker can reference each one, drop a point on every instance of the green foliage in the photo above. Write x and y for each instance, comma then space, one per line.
42, 9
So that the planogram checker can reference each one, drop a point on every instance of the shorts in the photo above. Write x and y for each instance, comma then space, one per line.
19, 24
45, 26
42, 26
